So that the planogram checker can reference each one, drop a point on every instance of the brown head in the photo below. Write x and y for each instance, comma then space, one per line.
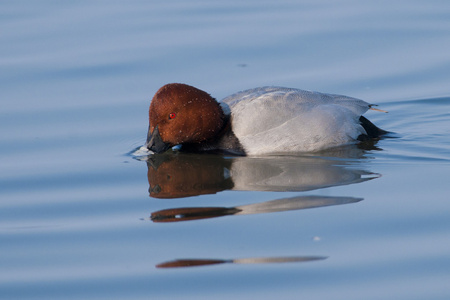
180, 114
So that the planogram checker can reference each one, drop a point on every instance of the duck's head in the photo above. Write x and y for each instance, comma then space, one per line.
180, 114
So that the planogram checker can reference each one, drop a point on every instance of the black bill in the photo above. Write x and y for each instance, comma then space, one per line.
155, 142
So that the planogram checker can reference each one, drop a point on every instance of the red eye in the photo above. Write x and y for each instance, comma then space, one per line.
172, 116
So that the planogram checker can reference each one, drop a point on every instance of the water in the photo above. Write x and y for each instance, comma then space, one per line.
75, 213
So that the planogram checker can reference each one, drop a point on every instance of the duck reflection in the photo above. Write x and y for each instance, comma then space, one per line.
182, 263
177, 174
286, 204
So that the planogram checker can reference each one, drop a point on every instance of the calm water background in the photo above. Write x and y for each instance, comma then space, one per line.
76, 80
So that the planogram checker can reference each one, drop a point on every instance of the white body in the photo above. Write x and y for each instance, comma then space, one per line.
274, 119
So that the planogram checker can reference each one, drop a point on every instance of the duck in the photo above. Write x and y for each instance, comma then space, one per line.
258, 121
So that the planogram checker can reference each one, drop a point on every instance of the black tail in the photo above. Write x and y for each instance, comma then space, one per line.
373, 132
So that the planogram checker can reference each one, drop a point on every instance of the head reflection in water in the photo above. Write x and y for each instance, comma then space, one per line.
176, 174
183, 175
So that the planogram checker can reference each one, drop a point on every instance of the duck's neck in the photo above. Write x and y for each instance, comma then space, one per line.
224, 142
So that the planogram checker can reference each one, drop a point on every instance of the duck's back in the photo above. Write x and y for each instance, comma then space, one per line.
275, 119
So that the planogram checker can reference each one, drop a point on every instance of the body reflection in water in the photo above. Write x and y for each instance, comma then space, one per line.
257, 260
177, 174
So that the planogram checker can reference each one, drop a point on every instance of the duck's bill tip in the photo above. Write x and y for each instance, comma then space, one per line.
155, 143
152, 149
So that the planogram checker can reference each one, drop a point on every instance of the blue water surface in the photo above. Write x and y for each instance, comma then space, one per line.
83, 218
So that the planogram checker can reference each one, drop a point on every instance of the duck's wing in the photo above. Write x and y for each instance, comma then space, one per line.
294, 119
260, 109
270, 93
